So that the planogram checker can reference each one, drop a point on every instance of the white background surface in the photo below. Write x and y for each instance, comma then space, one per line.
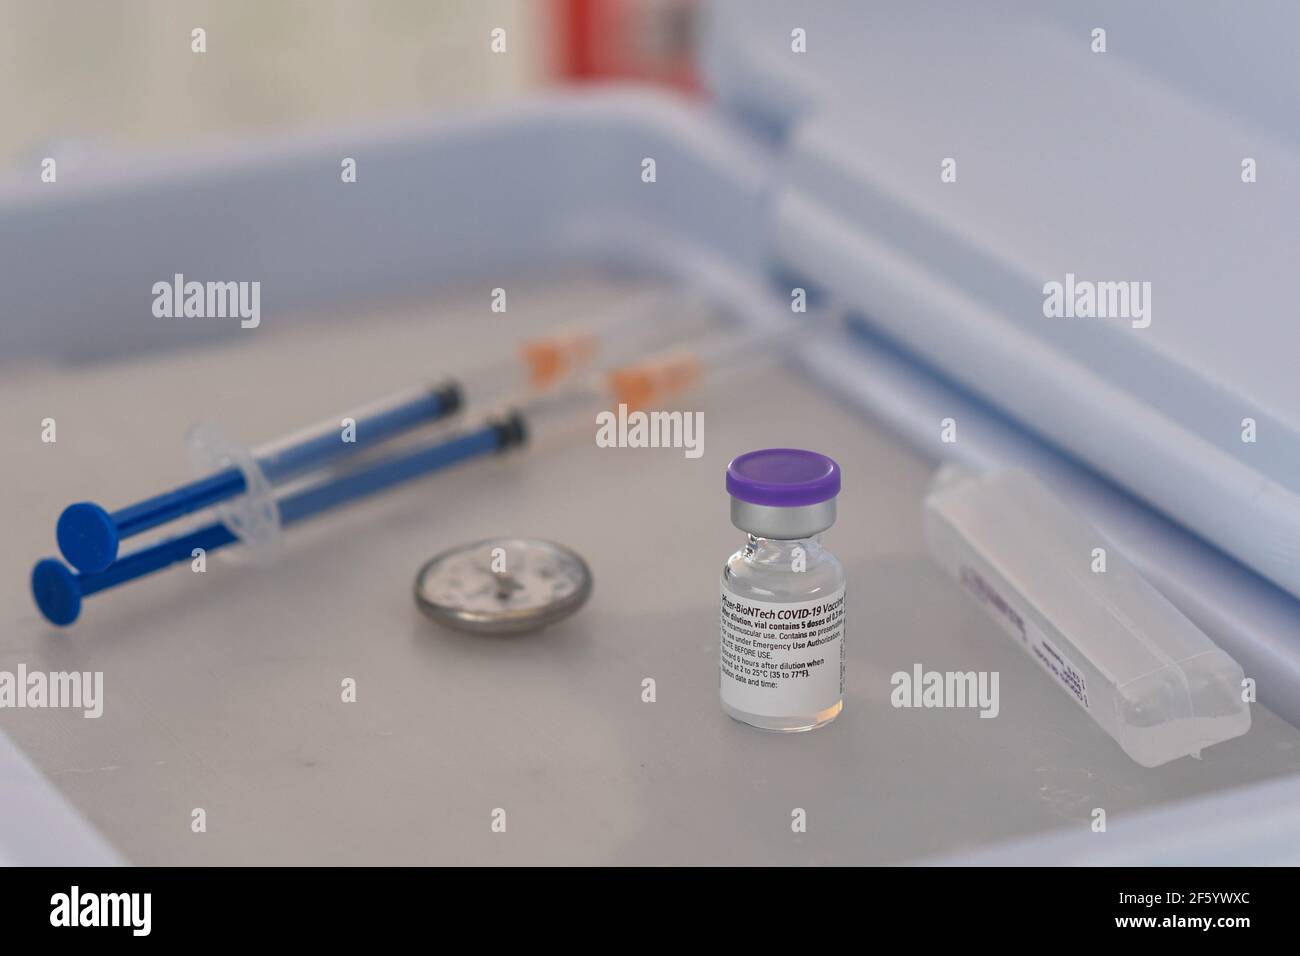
223, 690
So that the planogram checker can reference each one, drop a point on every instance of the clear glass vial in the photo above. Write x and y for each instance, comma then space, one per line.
781, 647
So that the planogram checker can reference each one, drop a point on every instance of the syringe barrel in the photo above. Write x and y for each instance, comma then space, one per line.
560, 414
356, 430
389, 472
1145, 673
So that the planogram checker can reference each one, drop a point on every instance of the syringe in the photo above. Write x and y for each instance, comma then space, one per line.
240, 480
58, 591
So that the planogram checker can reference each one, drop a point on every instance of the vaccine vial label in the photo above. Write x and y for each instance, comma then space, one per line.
781, 660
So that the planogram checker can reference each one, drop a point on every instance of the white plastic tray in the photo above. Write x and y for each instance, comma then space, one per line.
223, 690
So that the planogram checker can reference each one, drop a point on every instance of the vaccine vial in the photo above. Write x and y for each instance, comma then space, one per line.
782, 637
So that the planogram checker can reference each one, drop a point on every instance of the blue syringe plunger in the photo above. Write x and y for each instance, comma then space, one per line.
57, 594
87, 536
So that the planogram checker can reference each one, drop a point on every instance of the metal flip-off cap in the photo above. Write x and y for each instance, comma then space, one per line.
783, 492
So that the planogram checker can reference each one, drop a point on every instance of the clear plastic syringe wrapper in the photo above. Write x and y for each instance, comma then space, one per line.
1145, 673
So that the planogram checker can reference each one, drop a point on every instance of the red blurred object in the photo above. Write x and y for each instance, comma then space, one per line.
628, 39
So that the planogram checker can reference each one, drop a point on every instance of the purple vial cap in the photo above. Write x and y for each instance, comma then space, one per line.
783, 478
